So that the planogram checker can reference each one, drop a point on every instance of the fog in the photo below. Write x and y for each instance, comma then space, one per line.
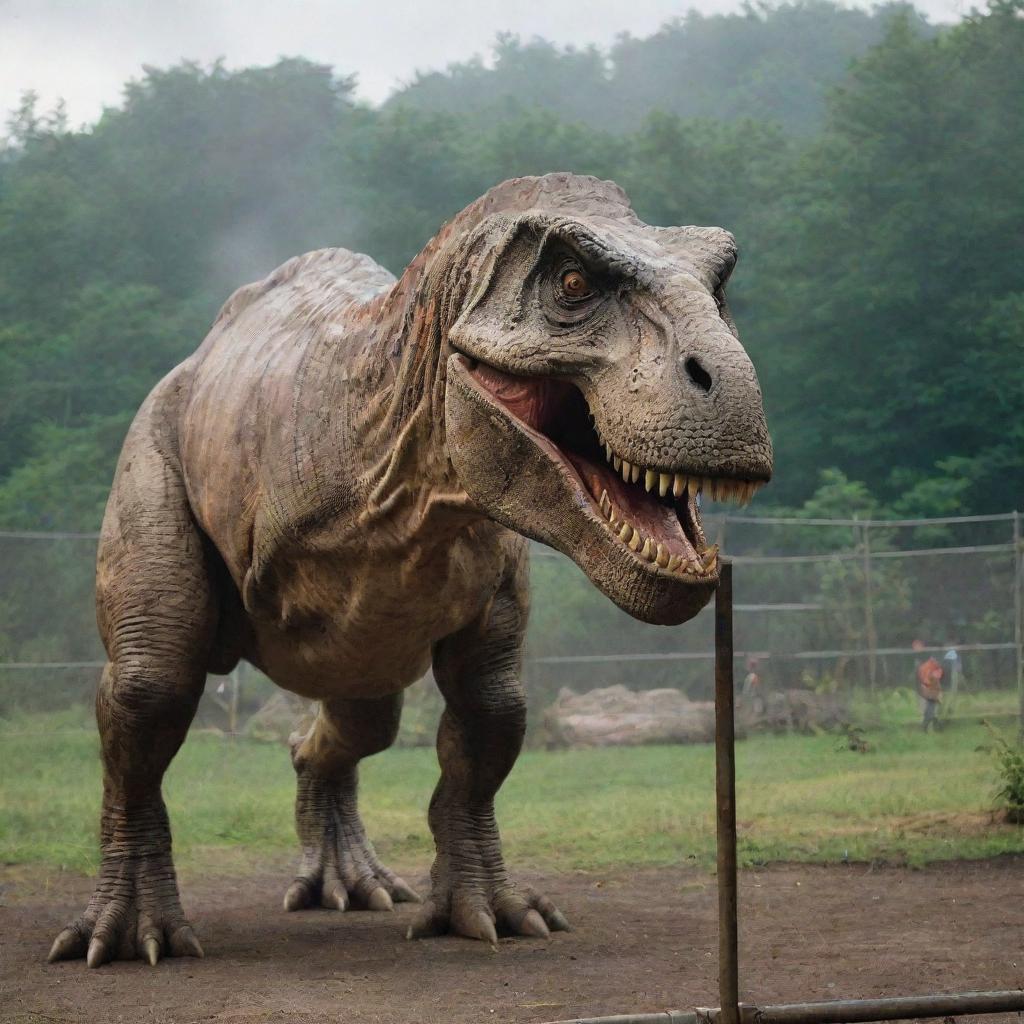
84, 50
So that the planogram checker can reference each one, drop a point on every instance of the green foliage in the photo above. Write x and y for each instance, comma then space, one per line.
878, 206
1009, 759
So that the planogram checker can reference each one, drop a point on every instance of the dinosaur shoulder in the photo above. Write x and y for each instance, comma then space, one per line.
338, 277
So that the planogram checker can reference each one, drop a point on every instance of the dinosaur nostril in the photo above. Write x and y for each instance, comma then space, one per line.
698, 374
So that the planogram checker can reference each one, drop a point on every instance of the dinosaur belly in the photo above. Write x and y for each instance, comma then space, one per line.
366, 630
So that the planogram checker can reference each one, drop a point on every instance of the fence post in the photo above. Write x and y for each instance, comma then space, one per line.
870, 636
725, 802
1018, 583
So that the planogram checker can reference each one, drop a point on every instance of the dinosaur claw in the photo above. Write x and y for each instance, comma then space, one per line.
558, 922
98, 953
335, 897
482, 927
151, 947
379, 900
298, 896
185, 943
69, 945
402, 892
533, 924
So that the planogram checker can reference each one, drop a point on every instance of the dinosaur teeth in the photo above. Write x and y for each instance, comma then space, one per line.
703, 564
679, 485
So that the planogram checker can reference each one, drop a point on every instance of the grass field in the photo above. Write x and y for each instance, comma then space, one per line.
912, 798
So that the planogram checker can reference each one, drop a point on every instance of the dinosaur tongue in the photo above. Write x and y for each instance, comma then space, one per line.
534, 400
555, 409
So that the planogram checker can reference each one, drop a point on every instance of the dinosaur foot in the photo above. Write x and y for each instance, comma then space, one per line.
482, 909
135, 913
343, 876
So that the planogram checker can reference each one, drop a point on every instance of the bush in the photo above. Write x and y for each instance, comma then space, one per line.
1009, 758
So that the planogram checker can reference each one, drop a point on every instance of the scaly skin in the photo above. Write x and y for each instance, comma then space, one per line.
336, 486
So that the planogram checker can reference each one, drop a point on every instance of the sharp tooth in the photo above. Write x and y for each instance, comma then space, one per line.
674, 562
709, 559
625, 470
617, 463
692, 486
650, 479
608, 451
626, 532
662, 556
678, 485
664, 483
647, 549
635, 541
606, 504
634, 473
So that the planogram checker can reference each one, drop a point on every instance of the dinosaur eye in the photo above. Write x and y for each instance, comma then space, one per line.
575, 284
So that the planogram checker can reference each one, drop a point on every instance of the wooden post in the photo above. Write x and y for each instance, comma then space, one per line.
725, 802
870, 636
1018, 583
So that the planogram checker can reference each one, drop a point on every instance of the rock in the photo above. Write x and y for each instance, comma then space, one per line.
617, 716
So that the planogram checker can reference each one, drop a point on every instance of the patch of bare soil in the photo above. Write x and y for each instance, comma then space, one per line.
642, 942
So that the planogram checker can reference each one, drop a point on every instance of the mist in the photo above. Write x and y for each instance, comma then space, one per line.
84, 52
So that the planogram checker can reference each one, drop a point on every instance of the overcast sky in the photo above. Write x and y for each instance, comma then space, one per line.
84, 50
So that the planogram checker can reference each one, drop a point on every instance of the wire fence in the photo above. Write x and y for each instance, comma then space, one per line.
820, 603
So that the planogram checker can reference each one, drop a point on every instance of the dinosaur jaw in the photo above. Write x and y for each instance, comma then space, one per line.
525, 450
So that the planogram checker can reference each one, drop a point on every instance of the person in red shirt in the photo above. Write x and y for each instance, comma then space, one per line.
929, 686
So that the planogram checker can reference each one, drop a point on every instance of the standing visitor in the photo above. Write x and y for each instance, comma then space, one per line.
929, 685
952, 672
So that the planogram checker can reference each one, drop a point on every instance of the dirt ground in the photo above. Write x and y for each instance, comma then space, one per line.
642, 942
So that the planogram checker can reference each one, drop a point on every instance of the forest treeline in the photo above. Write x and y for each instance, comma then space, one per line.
868, 163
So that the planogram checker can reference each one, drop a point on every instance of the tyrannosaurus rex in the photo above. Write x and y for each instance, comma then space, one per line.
337, 486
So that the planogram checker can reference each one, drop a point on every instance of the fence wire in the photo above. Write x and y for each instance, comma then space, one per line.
819, 603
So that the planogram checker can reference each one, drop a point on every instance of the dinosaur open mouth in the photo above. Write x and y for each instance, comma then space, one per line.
655, 512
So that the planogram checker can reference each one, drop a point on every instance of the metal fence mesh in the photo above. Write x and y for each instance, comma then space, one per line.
822, 603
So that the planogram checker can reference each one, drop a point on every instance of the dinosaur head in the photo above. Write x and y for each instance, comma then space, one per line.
596, 388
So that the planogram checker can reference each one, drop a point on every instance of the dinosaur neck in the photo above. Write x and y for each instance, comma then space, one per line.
407, 358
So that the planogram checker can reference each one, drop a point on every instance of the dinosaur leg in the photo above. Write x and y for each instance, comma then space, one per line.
339, 867
478, 741
157, 615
